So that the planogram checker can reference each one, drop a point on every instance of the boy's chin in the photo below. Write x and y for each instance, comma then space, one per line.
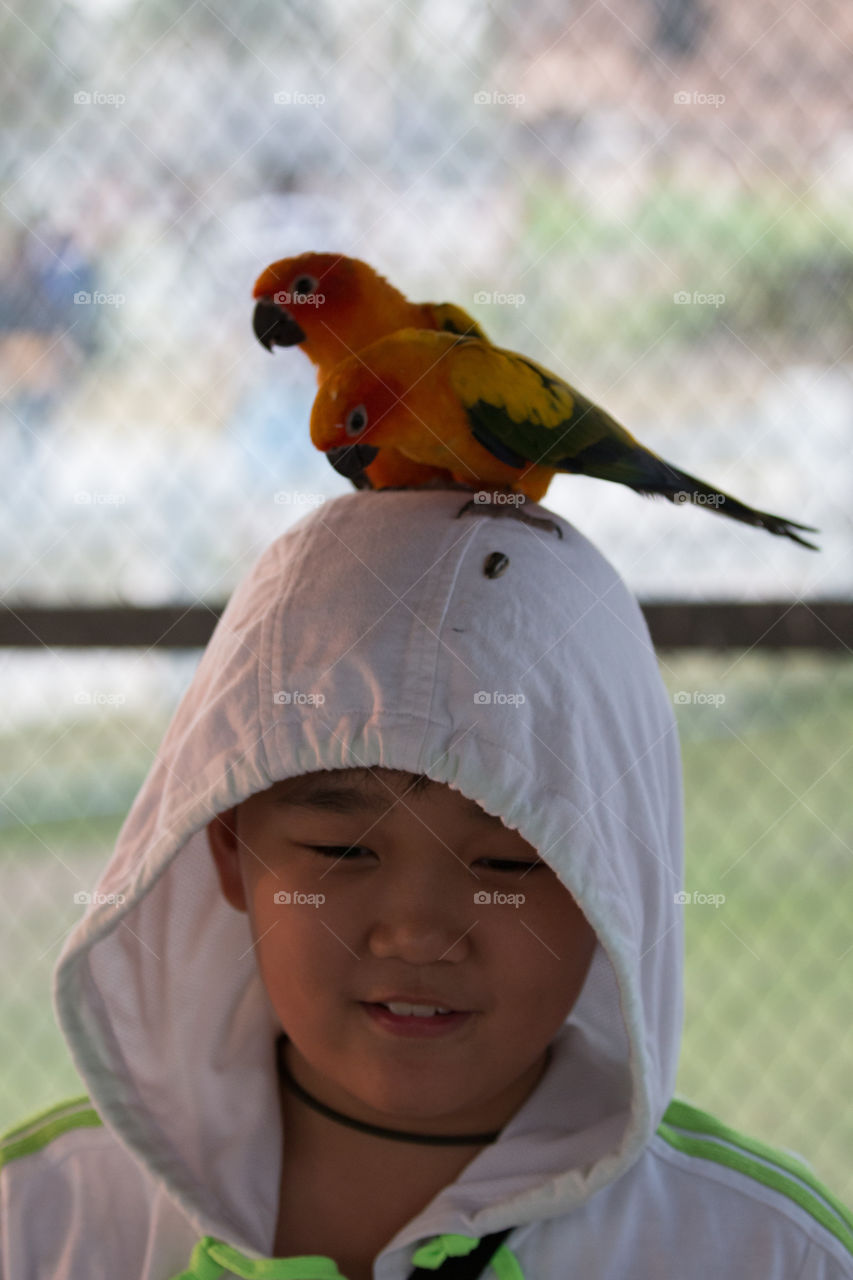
446, 1102
435, 1114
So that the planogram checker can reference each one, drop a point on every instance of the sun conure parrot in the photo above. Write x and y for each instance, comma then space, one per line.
492, 419
332, 306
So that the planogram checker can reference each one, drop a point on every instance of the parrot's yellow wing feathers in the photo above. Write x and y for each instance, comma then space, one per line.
521, 411
452, 319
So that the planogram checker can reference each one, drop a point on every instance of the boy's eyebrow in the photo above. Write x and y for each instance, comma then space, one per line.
346, 798
331, 799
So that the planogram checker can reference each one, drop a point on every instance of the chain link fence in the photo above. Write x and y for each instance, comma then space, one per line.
653, 200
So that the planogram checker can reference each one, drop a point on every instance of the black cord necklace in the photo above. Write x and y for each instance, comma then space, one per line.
398, 1135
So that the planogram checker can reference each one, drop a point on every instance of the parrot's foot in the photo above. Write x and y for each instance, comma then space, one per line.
477, 506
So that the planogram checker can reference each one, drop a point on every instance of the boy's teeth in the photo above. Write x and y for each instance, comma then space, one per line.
415, 1010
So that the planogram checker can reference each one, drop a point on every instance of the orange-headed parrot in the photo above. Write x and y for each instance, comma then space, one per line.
492, 419
332, 306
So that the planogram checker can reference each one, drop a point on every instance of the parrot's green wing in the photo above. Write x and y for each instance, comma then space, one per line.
452, 319
522, 413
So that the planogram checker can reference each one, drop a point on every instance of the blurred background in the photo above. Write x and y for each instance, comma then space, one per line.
653, 199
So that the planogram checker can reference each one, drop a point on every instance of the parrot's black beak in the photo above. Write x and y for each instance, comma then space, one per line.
275, 327
350, 460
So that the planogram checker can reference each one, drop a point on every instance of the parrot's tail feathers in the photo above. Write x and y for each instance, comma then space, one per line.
677, 486
611, 458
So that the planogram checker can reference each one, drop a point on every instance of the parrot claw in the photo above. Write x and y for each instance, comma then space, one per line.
490, 509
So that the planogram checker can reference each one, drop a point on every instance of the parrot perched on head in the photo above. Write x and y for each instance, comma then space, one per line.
332, 306
492, 419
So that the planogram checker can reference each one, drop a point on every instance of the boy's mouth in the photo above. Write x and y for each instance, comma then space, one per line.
403, 1008
414, 1017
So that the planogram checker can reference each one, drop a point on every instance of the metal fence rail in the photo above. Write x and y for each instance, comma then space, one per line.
711, 624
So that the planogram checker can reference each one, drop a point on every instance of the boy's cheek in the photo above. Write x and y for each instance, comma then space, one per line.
295, 913
547, 953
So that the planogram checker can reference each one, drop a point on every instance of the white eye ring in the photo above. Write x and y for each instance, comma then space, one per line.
356, 420
308, 283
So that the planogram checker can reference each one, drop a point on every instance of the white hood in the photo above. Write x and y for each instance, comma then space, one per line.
175, 1041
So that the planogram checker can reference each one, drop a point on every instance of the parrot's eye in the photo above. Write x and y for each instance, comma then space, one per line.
303, 285
356, 420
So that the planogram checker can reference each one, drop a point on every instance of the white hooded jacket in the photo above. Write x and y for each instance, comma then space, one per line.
403, 617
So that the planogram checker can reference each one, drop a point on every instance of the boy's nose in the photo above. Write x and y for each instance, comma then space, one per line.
420, 934
416, 945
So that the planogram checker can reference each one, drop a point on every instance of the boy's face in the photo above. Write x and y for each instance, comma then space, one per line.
405, 914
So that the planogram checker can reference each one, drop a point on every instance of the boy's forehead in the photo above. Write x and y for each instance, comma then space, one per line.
368, 790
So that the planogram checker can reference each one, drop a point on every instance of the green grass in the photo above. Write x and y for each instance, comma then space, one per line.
783, 265
768, 824
768, 1038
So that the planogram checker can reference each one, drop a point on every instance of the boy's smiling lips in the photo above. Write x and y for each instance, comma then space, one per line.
434, 1002
415, 1025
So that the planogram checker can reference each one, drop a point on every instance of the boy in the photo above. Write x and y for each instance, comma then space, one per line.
391, 979
405, 932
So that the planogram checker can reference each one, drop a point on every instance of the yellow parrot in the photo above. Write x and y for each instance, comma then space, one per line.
331, 306
492, 419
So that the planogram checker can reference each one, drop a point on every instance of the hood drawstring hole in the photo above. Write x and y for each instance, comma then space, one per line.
494, 564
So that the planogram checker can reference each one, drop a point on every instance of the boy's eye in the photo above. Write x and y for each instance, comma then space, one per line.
348, 851
510, 864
